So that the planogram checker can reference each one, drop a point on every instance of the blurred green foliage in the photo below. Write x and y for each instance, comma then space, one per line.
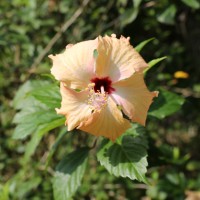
27, 27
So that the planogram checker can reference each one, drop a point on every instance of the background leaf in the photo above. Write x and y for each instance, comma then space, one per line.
168, 16
192, 3
130, 14
4, 192
165, 104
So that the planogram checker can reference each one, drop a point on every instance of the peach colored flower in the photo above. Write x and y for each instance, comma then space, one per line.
101, 81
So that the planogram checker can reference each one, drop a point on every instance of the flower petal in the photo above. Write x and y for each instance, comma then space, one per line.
134, 97
108, 123
117, 58
74, 106
75, 66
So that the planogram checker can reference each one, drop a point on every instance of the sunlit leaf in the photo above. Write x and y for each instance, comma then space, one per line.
48, 95
23, 130
153, 63
69, 174
39, 133
29, 122
140, 46
4, 191
21, 101
37, 116
127, 157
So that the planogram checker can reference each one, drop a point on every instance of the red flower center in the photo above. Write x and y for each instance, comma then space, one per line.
105, 82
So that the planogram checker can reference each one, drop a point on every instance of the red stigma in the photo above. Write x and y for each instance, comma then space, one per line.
105, 82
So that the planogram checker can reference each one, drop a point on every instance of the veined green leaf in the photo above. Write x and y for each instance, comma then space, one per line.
21, 100
141, 45
28, 122
48, 95
126, 158
38, 115
69, 174
35, 99
23, 130
165, 104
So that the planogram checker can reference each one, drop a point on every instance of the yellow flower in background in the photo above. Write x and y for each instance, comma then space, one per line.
181, 74
101, 81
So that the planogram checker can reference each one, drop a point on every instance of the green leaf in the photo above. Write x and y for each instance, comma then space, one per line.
165, 104
130, 14
140, 46
153, 63
23, 130
28, 122
127, 158
192, 3
168, 16
38, 115
50, 76
69, 174
37, 101
48, 95
56, 144
21, 101
4, 191
38, 135
27, 186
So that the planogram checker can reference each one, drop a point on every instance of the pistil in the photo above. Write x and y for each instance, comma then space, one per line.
102, 90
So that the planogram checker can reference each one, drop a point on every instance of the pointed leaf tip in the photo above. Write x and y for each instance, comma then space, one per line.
141, 45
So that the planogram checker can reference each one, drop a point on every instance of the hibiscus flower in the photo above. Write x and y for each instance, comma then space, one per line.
102, 86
